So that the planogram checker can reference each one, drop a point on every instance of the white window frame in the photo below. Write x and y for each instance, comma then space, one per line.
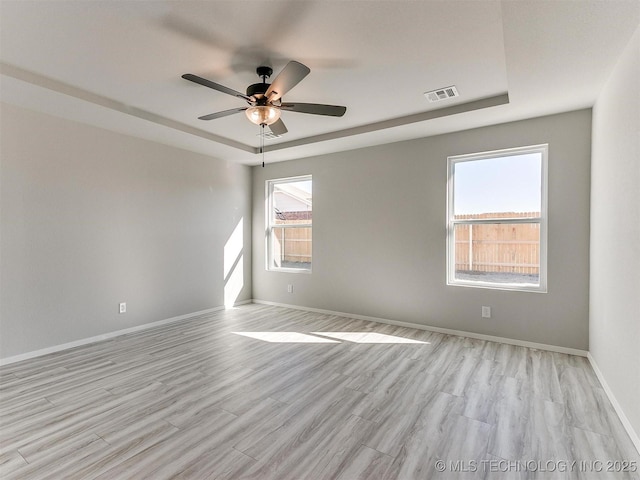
542, 220
269, 218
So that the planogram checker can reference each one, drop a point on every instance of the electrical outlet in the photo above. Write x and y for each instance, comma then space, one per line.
486, 312
123, 307
289, 288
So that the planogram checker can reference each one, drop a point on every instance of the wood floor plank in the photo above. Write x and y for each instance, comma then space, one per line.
321, 457
543, 376
73, 422
222, 463
462, 440
512, 409
132, 442
314, 421
170, 458
35, 426
586, 409
366, 464
416, 385
11, 462
321, 399
20, 414
57, 463
590, 447
480, 399
417, 454
547, 434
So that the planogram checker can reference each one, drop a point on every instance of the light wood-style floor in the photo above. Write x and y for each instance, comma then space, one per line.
261, 392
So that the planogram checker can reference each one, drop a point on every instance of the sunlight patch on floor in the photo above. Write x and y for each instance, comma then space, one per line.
333, 337
368, 337
285, 337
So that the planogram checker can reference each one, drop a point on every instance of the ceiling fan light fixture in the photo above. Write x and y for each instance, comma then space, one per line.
263, 114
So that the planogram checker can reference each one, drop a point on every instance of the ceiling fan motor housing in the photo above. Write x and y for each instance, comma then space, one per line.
257, 89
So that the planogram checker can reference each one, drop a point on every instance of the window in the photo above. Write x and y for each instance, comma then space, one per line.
497, 219
289, 212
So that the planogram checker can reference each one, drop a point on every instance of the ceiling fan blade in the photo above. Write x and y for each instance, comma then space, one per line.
224, 113
216, 86
278, 128
315, 109
288, 78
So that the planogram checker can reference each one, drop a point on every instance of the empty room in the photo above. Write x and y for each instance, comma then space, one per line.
319, 239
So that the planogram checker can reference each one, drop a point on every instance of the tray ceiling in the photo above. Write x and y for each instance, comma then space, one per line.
117, 65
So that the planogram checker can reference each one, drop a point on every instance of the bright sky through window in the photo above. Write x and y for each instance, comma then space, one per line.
304, 185
503, 184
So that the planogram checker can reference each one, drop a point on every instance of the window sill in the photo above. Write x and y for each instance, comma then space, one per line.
500, 286
289, 270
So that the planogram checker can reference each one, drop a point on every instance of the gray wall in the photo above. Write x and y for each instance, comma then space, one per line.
379, 235
91, 218
615, 233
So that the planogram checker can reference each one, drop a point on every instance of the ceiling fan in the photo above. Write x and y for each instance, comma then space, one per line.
265, 99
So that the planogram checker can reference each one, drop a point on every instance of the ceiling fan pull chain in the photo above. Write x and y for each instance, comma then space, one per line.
262, 144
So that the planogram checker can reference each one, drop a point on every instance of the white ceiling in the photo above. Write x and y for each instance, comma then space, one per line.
118, 65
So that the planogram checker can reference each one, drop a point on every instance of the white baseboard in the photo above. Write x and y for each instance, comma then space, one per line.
107, 336
460, 333
614, 401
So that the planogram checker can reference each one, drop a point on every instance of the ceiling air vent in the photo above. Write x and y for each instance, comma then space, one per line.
268, 135
442, 94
